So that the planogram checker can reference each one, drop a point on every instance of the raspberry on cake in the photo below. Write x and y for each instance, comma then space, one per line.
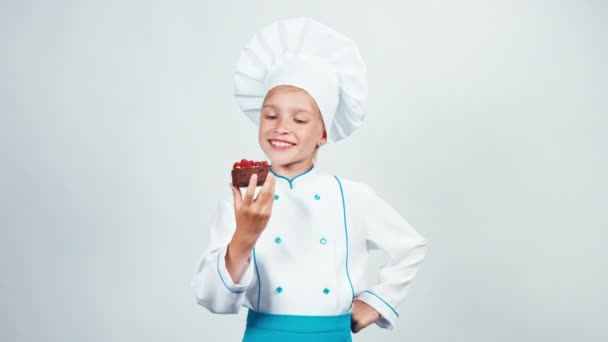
242, 171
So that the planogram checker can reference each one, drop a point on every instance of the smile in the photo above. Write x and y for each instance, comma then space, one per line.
280, 145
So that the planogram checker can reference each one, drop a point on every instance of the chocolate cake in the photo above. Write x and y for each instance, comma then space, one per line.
242, 171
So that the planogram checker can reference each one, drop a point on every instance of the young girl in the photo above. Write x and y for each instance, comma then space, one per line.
295, 254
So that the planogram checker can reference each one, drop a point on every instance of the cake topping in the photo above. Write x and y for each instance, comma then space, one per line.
245, 163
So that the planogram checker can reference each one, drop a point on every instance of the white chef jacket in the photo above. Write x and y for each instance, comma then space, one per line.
312, 256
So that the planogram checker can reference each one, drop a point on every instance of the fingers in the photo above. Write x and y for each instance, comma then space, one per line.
362, 316
267, 191
356, 325
236, 194
250, 189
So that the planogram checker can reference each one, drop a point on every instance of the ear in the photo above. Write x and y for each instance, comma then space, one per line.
323, 140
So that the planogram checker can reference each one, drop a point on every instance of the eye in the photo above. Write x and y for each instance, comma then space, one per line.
270, 117
299, 121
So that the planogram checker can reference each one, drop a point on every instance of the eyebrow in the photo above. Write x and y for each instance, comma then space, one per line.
291, 109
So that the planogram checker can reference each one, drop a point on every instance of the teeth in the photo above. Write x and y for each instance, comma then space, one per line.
279, 143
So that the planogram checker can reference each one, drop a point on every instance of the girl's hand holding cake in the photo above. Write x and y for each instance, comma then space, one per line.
252, 216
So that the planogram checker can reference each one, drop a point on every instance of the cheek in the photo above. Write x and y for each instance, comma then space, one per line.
314, 132
309, 136
261, 134
262, 129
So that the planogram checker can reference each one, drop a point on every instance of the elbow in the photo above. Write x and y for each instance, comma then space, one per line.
418, 254
413, 255
424, 247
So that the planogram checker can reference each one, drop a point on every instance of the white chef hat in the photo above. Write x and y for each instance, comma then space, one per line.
309, 55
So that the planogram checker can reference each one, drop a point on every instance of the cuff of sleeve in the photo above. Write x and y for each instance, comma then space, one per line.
388, 315
227, 279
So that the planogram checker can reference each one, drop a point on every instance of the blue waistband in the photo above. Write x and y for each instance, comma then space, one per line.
297, 323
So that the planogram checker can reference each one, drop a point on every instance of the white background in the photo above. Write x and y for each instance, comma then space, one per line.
486, 129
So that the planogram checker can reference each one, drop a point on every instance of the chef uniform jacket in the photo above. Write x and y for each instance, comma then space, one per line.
312, 256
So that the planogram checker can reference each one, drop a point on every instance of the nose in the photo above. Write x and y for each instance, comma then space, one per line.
280, 130
280, 127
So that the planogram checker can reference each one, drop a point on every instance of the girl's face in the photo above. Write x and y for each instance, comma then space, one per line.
290, 127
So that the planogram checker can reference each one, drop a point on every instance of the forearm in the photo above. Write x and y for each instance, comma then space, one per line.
238, 254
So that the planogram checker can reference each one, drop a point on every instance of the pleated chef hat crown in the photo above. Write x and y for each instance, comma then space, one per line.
309, 55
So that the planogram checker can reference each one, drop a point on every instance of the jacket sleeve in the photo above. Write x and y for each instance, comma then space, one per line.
212, 284
389, 232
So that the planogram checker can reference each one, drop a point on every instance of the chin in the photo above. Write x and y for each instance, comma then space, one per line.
275, 161
279, 158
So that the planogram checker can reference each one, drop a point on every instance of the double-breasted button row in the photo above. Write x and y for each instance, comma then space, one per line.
278, 240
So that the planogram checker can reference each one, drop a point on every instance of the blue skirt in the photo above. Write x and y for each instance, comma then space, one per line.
268, 327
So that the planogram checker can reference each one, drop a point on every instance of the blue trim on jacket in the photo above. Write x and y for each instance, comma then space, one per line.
387, 304
292, 179
220, 274
346, 235
255, 263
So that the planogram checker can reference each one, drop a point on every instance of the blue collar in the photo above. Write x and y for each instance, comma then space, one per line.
310, 173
